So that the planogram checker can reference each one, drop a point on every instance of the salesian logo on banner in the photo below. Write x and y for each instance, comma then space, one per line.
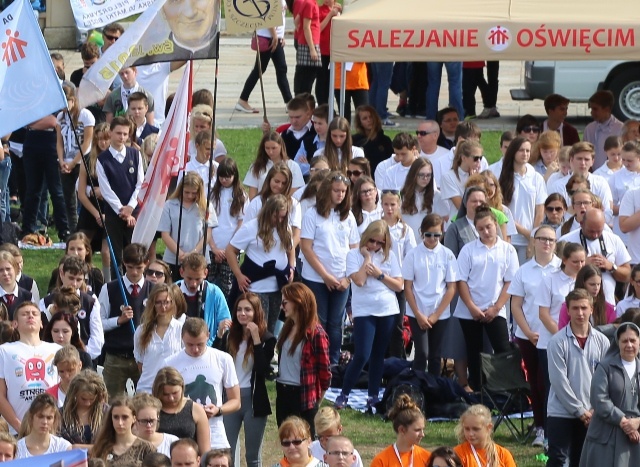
168, 30
29, 86
250, 15
90, 14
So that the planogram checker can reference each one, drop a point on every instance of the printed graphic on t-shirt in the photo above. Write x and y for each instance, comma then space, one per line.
201, 392
34, 371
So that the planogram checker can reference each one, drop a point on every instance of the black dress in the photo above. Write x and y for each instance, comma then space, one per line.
180, 424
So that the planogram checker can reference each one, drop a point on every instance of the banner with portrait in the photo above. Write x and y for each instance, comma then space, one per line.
169, 30
243, 16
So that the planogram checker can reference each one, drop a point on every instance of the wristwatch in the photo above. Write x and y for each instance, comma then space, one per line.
380, 277
614, 268
219, 414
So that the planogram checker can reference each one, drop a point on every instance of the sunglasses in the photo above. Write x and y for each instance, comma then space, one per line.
376, 242
341, 178
554, 208
356, 173
431, 235
110, 37
531, 129
393, 192
153, 272
424, 133
296, 442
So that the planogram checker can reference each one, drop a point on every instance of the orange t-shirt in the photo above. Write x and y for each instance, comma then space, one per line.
387, 458
464, 452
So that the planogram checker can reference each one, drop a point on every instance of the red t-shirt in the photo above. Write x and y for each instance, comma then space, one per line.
325, 34
307, 9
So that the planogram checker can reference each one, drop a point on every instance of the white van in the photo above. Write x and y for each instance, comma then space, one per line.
578, 80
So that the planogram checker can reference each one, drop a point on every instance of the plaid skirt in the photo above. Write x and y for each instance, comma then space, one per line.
303, 56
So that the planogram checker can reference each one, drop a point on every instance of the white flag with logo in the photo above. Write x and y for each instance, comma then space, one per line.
29, 86
167, 160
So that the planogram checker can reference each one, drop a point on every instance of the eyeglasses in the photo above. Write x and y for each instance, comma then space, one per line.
554, 208
376, 242
424, 133
147, 421
357, 173
546, 240
163, 303
110, 37
296, 442
425, 176
315, 169
583, 203
341, 178
531, 129
368, 191
153, 272
431, 235
340, 453
217, 465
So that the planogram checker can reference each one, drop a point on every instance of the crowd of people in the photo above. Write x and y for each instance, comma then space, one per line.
416, 235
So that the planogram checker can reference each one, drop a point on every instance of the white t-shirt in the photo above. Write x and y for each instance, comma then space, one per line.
27, 371
227, 225
158, 350
243, 370
430, 271
252, 181
205, 379
629, 205
382, 168
374, 298
70, 146
451, 186
56, 444
165, 445
254, 206
496, 167
201, 169
623, 305
621, 182
485, 270
553, 290
599, 187
355, 152
529, 191
527, 284
402, 240
605, 172
332, 238
368, 217
246, 238
154, 78
394, 177
616, 253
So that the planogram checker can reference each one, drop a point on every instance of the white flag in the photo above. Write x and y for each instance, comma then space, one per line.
168, 159
29, 86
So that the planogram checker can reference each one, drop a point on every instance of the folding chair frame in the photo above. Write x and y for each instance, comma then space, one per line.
514, 396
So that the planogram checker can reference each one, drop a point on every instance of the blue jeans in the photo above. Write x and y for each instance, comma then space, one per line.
5, 171
434, 77
331, 307
379, 87
371, 335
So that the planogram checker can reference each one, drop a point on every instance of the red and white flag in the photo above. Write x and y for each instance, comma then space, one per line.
167, 160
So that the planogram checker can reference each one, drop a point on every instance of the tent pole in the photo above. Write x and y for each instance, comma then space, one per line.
343, 88
332, 78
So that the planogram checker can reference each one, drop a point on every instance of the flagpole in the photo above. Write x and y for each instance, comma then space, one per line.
182, 170
102, 218
264, 105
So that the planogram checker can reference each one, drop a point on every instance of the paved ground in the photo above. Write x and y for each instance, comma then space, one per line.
236, 60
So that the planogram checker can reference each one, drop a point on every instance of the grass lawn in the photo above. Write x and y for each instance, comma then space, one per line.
369, 434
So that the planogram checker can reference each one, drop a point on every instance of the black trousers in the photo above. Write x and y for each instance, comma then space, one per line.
279, 63
473, 336
358, 96
566, 437
303, 78
120, 236
288, 404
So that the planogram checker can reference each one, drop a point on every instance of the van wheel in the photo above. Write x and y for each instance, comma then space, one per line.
626, 89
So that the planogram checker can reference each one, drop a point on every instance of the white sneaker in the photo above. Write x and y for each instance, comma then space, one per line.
539, 439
